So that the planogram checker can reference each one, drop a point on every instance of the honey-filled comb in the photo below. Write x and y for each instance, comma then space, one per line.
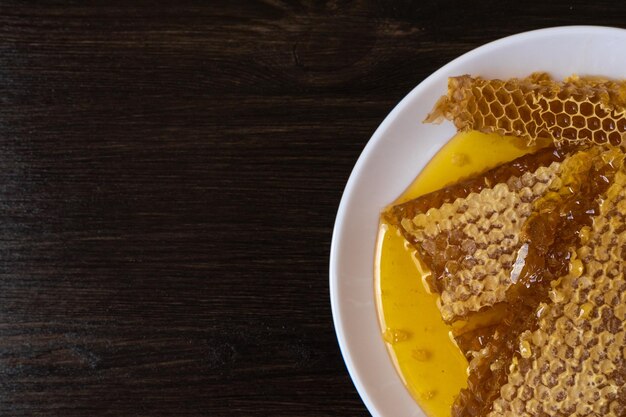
528, 259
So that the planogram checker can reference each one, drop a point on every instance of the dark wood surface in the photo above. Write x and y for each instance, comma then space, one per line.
169, 177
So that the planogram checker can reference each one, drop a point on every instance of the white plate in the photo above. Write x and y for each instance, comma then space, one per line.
396, 153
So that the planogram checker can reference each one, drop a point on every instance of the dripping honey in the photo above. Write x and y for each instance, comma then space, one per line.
430, 364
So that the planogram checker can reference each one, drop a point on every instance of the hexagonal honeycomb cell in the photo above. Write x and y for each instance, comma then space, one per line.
579, 110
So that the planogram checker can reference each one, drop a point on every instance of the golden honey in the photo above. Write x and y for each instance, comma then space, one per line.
430, 364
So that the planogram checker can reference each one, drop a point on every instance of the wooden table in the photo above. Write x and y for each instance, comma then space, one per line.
170, 173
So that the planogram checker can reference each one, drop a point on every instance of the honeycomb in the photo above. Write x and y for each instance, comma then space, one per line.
576, 111
476, 239
528, 259
470, 243
573, 363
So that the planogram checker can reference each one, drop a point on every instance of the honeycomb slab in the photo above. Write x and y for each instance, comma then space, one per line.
473, 241
573, 112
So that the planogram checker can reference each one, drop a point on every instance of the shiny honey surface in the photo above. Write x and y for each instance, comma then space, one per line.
430, 364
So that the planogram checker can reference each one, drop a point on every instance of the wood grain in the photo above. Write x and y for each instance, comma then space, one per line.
170, 173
